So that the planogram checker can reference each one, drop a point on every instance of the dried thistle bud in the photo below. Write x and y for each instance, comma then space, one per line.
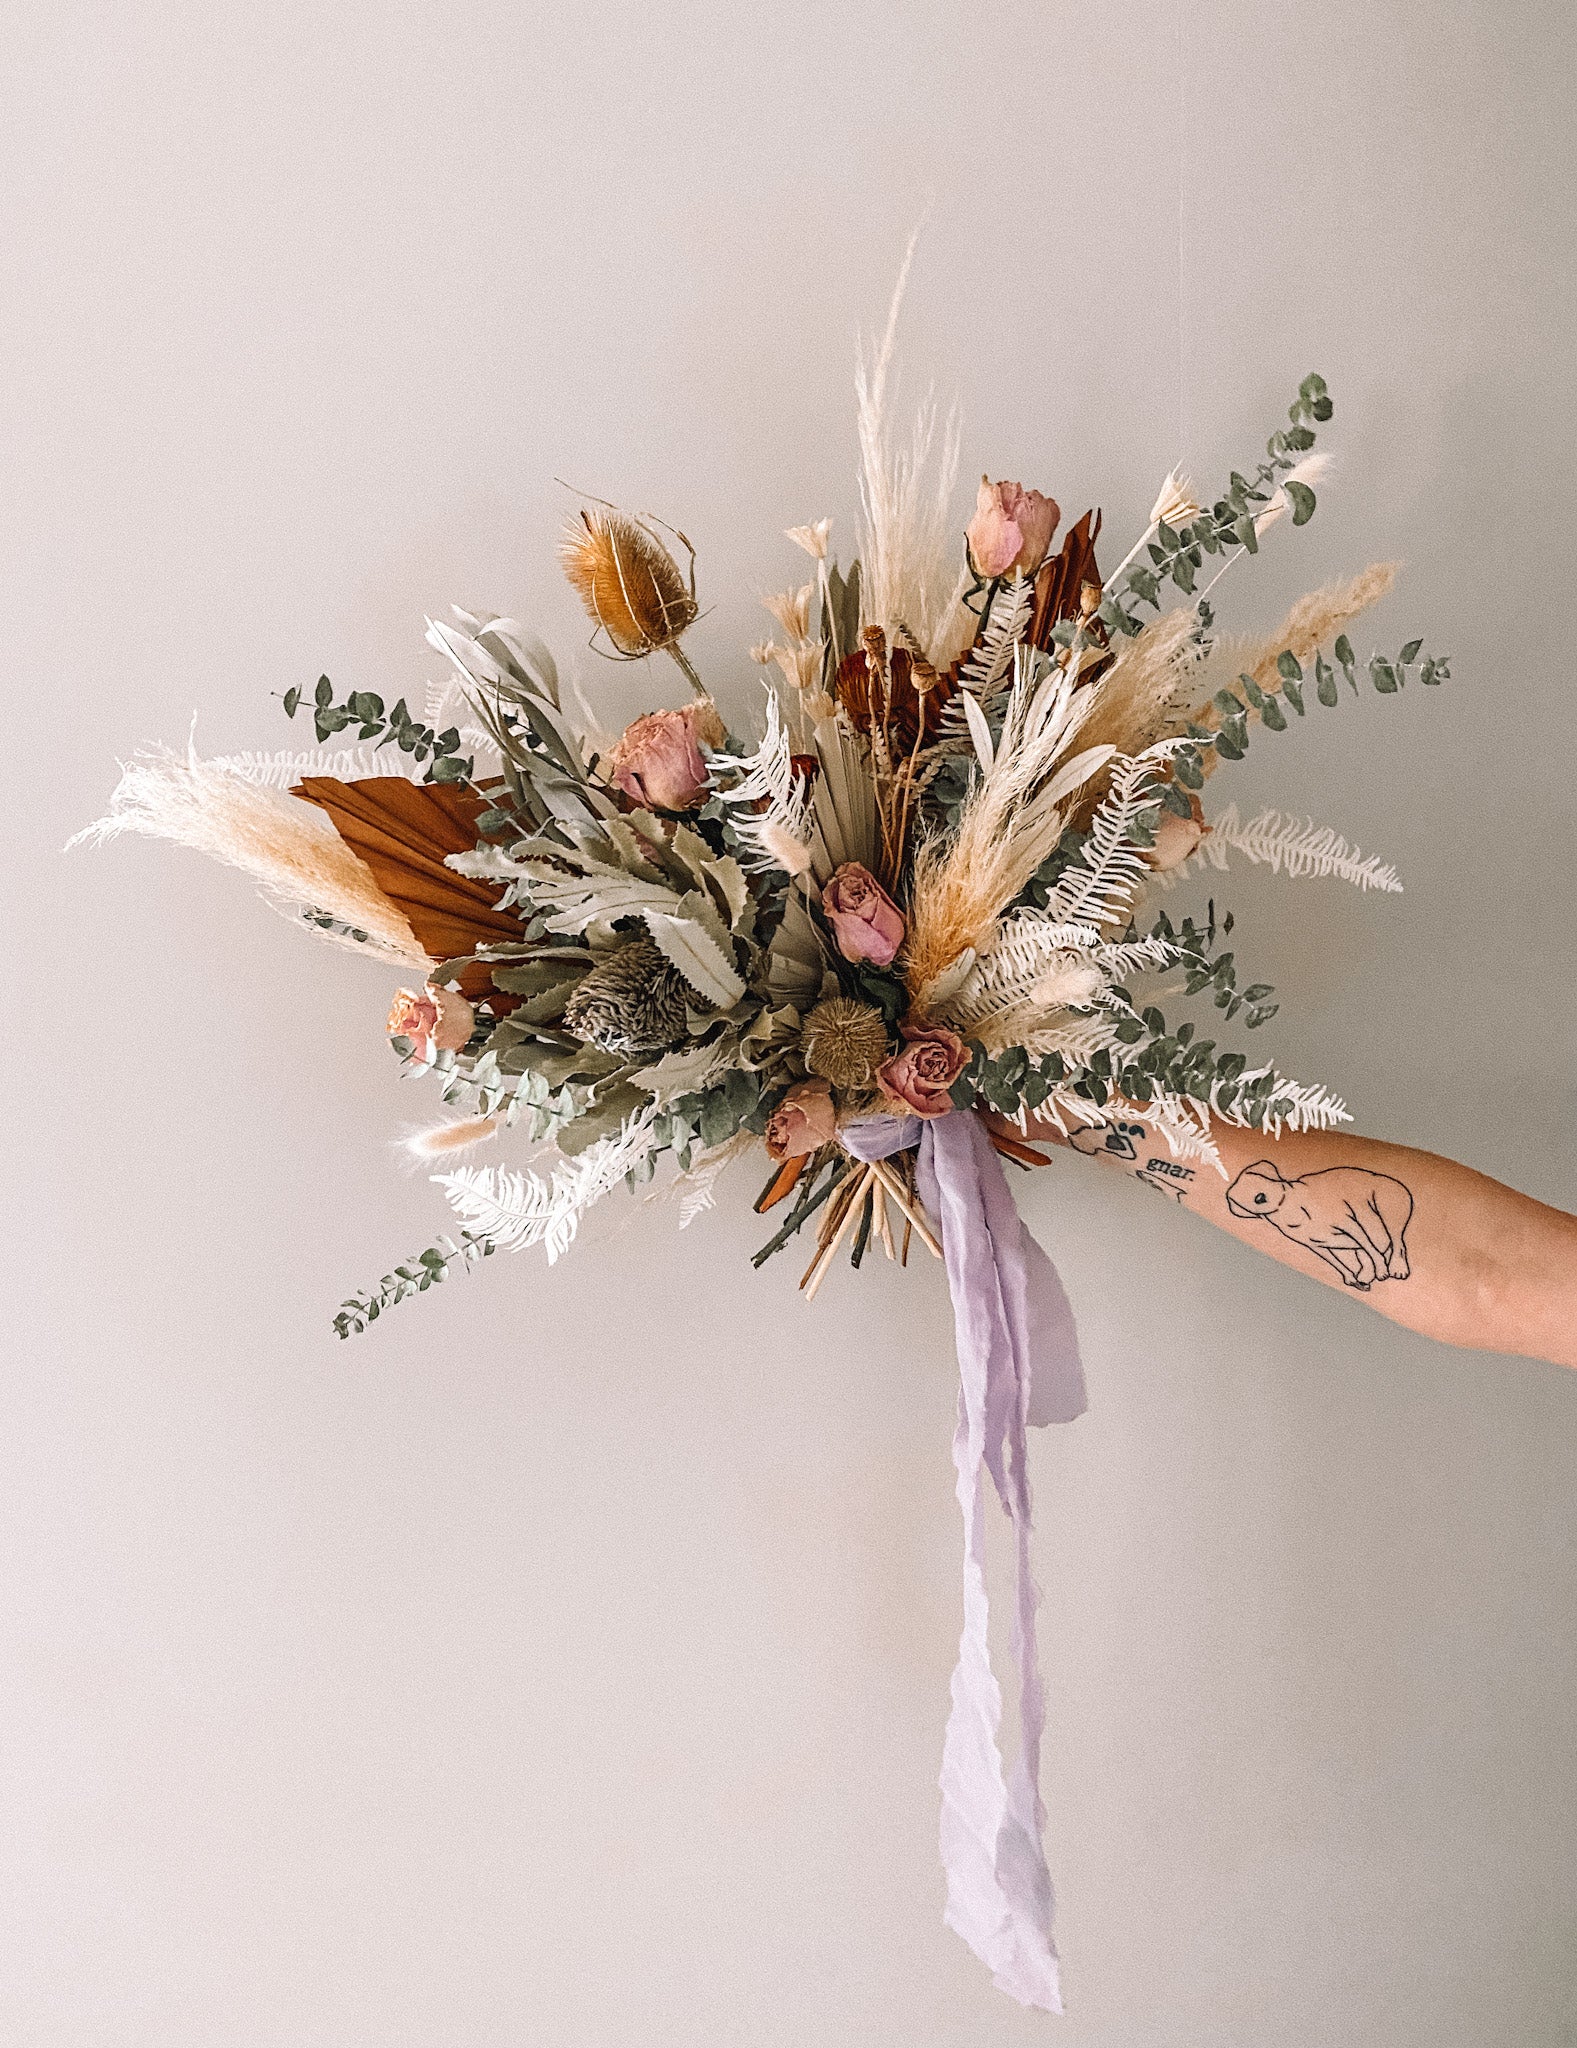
844, 1042
629, 583
634, 1001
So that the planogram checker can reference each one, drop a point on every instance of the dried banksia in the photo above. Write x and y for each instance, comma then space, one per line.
632, 1002
844, 1042
632, 588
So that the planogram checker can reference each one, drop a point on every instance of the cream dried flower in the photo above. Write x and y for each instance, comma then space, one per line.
1176, 503
791, 609
813, 539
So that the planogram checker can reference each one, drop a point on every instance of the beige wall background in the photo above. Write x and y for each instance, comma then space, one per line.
566, 1662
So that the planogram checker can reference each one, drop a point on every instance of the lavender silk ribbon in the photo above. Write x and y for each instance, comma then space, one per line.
1019, 1365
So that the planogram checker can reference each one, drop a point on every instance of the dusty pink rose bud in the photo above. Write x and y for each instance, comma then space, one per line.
865, 921
1176, 838
919, 1077
1011, 529
657, 760
433, 1019
804, 1120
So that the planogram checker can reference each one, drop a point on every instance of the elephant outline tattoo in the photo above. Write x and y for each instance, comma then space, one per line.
1353, 1219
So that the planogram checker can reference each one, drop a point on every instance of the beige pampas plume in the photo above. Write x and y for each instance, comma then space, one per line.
1313, 622
1140, 697
1311, 470
909, 548
287, 846
440, 1139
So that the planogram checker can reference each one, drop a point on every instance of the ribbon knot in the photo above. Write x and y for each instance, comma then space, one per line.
1019, 1367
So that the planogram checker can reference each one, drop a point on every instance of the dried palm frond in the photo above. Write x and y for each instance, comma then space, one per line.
287, 846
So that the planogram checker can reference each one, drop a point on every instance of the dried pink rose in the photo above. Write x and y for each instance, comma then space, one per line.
1011, 530
865, 921
433, 1019
804, 1120
919, 1077
658, 761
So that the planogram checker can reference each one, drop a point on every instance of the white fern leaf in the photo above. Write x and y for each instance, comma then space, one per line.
284, 769
775, 836
1297, 845
1102, 885
697, 1189
988, 669
517, 1210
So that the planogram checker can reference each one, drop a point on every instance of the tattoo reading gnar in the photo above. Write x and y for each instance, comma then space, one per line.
1119, 1143
1356, 1221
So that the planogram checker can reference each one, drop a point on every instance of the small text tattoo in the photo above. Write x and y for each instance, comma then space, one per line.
1356, 1221
1120, 1143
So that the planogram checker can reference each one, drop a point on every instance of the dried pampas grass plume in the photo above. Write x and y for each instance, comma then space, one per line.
1313, 622
287, 846
631, 586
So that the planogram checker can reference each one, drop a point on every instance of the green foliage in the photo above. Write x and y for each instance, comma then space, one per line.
365, 711
737, 1101
422, 1272
1177, 554
1229, 738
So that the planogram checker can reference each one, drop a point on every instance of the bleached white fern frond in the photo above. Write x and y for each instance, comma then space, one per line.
1312, 1108
284, 769
1102, 886
907, 548
767, 776
1297, 845
697, 1189
516, 1210
988, 671
448, 704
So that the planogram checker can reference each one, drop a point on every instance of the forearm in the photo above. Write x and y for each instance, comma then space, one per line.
1428, 1243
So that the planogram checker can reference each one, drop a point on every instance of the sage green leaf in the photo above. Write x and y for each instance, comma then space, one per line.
1302, 502
704, 964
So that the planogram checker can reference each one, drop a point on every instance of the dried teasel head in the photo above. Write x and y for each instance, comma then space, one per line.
630, 584
844, 1042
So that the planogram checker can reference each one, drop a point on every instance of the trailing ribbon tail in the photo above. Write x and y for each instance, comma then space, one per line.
1018, 1360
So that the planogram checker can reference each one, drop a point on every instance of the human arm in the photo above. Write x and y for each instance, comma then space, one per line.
1428, 1243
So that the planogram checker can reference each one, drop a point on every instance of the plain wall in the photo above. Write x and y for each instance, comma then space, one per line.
566, 1661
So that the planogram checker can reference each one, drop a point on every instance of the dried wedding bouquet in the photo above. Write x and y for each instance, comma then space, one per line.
927, 889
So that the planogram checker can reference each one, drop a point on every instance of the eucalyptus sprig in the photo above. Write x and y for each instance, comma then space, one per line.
364, 709
422, 1272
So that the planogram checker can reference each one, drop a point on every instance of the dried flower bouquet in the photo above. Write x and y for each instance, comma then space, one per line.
926, 890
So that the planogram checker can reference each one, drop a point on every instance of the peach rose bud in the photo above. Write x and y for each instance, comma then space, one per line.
1176, 838
920, 1078
432, 1019
865, 921
1011, 530
657, 761
803, 1121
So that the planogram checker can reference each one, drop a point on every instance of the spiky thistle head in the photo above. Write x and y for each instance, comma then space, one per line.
632, 1002
844, 1041
629, 583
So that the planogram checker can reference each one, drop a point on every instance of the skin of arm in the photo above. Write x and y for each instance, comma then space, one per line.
1428, 1243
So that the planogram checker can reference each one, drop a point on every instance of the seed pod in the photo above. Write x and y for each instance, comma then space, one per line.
632, 1002
844, 1042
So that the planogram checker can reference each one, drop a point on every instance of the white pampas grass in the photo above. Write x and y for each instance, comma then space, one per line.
1297, 845
287, 846
908, 545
